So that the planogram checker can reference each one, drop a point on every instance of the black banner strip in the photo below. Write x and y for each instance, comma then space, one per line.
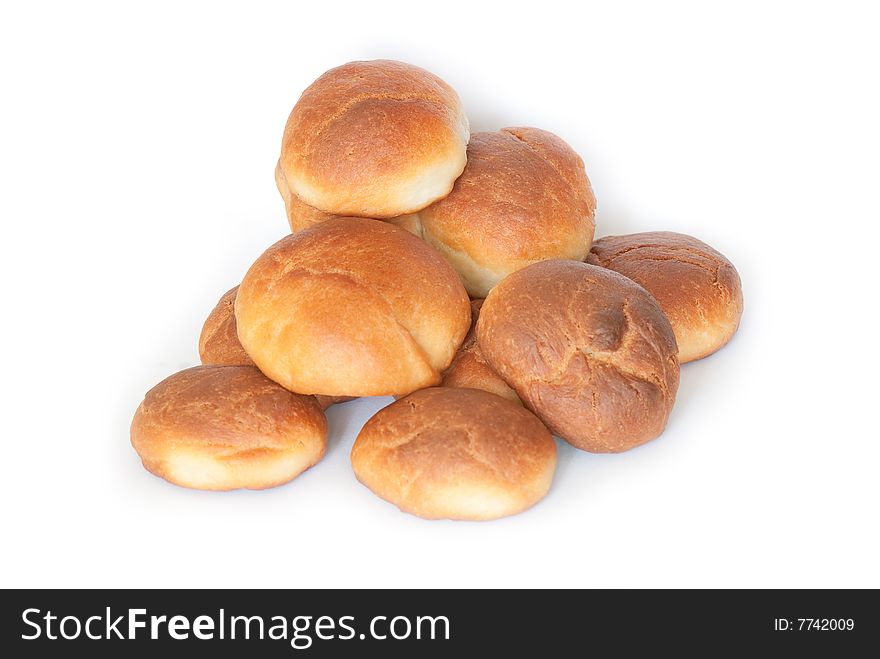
428, 623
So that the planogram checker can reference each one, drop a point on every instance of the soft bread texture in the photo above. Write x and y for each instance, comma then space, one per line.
470, 370
352, 307
225, 428
450, 453
374, 139
219, 344
696, 286
586, 349
301, 216
523, 197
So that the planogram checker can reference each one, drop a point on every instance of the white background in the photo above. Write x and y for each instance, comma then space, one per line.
137, 147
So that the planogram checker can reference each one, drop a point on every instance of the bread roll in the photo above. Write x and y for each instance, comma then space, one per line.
523, 197
219, 344
470, 370
455, 453
697, 287
374, 139
352, 307
225, 428
300, 215
586, 349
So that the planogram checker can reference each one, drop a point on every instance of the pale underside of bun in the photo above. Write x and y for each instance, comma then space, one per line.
374, 139
523, 197
223, 471
586, 349
697, 287
352, 307
219, 344
450, 453
227, 428
478, 279
301, 216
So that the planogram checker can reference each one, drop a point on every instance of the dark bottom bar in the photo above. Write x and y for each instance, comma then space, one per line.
434, 623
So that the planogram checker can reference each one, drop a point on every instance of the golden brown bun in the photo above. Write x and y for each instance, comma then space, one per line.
523, 197
219, 344
225, 428
352, 307
470, 370
696, 286
586, 349
456, 454
326, 401
374, 139
301, 216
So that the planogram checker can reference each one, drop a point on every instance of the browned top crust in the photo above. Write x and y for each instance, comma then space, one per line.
696, 286
353, 307
218, 342
232, 410
588, 350
375, 139
452, 452
524, 196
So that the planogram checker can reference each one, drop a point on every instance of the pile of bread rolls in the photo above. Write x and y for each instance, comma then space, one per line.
456, 272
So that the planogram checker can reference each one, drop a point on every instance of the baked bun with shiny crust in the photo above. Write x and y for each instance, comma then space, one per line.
374, 139
225, 428
586, 349
352, 307
523, 197
696, 286
301, 216
470, 370
455, 454
219, 344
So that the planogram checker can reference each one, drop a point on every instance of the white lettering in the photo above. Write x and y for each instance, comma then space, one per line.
178, 628
203, 628
24, 618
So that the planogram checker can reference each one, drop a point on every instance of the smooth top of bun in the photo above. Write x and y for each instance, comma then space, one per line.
697, 287
374, 139
588, 350
523, 197
226, 427
218, 342
352, 307
470, 370
455, 453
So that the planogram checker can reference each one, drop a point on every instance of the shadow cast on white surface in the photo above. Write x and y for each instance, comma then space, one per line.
345, 420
